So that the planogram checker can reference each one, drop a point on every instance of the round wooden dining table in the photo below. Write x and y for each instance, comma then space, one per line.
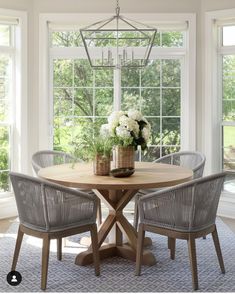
116, 193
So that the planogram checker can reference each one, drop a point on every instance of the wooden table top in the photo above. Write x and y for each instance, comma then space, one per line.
147, 175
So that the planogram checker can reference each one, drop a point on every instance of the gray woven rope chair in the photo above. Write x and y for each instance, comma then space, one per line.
189, 159
47, 158
51, 211
186, 211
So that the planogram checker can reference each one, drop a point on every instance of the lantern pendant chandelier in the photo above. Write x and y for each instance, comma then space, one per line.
118, 42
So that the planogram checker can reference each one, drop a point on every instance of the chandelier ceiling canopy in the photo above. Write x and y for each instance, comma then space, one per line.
118, 42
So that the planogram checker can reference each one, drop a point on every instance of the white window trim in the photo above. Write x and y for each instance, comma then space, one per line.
20, 138
212, 106
68, 19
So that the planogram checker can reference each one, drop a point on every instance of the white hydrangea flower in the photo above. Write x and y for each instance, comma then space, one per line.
130, 124
135, 115
104, 130
146, 133
122, 132
114, 117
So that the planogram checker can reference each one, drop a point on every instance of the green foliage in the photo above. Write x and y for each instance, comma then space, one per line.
4, 129
90, 143
229, 87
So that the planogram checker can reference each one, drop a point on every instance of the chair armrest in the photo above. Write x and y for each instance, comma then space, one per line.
66, 207
169, 208
186, 207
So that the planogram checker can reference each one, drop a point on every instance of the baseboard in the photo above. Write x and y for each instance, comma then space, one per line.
8, 207
227, 205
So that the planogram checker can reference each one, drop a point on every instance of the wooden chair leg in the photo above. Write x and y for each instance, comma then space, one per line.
45, 260
59, 248
136, 214
171, 246
218, 250
169, 242
17, 248
95, 249
139, 253
193, 261
99, 213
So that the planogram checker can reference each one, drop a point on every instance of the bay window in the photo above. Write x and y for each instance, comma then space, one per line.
78, 94
226, 57
13, 102
73, 94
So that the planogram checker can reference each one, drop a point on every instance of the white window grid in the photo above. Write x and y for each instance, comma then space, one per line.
223, 51
178, 53
9, 52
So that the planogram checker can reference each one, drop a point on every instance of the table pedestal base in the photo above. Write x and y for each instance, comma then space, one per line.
113, 228
112, 250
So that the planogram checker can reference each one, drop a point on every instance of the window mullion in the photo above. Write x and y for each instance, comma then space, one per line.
117, 89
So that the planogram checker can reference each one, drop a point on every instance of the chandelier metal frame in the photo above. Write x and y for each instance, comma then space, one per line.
118, 54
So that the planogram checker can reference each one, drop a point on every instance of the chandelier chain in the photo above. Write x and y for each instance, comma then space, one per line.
117, 8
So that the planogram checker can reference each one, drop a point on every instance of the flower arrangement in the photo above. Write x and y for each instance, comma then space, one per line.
92, 143
127, 129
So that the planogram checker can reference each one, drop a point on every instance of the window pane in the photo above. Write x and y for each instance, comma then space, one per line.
155, 125
5, 35
152, 153
4, 110
171, 102
4, 159
228, 36
63, 73
103, 102
169, 39
4, 181
171, 73
170, 149
130, 77
103, 78
171, 131
83, 74
172, 39
66, 39
157, 40
63, 102
150, 105
229, 147
150, 76
5, 76
229, 87
130, 99
83, 102
62, 133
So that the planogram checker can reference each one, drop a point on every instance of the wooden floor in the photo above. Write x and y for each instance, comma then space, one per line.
6, 223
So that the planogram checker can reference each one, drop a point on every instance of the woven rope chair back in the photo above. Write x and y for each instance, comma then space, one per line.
188, 159
47, 158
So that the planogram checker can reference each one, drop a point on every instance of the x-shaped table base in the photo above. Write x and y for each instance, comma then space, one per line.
116, 200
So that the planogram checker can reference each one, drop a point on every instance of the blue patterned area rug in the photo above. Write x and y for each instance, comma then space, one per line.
117, 274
